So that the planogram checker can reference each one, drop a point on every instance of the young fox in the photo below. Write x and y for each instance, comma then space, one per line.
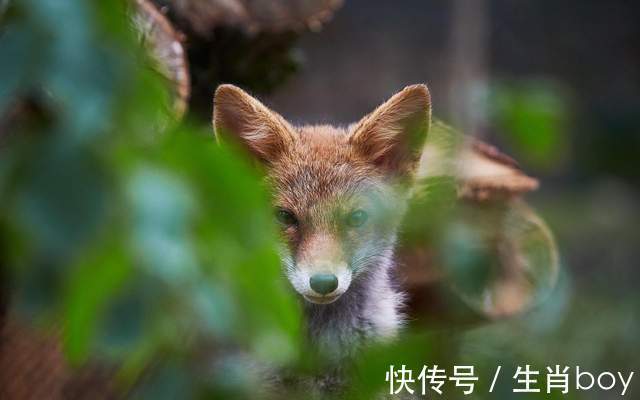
339, 195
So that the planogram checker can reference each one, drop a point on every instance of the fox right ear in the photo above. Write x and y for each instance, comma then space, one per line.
393, 135
235, 113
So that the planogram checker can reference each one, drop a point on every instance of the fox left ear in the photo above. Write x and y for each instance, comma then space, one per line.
263, 132
393, 135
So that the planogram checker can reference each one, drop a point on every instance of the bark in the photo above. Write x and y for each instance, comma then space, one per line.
165, 45
486, 188
255, 16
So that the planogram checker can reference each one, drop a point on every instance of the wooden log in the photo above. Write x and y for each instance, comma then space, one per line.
487, 200
166, 47
480, 170
33, 366
256, 15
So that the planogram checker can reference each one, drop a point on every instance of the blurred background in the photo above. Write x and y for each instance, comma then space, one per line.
137, 256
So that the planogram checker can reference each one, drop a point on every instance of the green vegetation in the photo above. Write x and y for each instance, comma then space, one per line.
153, 249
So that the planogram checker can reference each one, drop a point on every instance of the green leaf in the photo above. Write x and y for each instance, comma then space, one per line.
94, 281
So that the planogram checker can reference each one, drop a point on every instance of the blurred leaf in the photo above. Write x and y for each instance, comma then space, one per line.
468, 258
500, 258
16, 42
237, 239
63, 198
372, 363
170, 380
141, 235
121, 323
534, 117
95, 280
162, 210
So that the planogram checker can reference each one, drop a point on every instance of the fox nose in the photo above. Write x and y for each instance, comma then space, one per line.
323, 283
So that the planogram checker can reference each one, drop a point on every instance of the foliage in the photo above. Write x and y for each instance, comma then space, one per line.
153, 248
534, 117
142, 244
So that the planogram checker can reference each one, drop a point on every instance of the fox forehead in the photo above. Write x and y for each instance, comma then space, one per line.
311, 166
320, 167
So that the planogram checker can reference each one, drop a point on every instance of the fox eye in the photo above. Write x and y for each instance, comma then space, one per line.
286, 217
357, 218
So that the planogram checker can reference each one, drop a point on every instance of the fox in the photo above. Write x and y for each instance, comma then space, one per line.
339, 195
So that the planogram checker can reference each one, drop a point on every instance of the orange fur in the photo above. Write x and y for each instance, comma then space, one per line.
265, 132
393, 135
321, 174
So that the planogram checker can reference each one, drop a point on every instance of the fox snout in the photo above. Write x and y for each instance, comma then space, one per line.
321, 274
321, 285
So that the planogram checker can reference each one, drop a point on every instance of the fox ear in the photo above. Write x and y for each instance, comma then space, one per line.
263, 131
393, 135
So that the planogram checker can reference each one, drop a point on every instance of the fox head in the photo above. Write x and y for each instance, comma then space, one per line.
339, 193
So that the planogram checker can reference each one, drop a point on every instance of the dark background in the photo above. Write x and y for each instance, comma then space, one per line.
586, 53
